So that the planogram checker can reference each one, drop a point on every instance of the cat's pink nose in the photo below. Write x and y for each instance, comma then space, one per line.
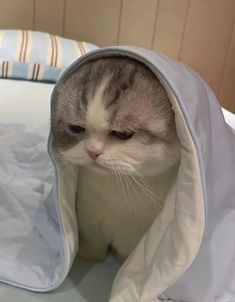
93, 154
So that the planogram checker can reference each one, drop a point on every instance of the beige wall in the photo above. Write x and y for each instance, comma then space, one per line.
201, 33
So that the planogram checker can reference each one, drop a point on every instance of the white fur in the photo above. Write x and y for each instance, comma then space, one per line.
97, 117
115, 210
117, 213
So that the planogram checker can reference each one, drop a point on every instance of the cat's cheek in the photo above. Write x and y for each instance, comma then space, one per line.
77, 155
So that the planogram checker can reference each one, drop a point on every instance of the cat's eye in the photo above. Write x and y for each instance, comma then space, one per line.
76, 129
126, 134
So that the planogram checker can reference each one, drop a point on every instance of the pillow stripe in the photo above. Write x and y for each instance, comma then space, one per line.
52, 51
37, 72
37, 56
81, 48
1, 35
2, 69
33, 72
7, 67
21, 46
26, 46
22, 49
56, 51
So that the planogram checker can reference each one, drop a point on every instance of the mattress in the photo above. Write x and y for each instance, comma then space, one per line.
229, 118
28, 101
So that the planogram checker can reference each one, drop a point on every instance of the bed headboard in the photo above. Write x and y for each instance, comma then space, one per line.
200, 33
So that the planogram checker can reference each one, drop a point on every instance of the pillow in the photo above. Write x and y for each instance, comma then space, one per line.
37, 56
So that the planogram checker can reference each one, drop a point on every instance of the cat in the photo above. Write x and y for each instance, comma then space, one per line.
114, 119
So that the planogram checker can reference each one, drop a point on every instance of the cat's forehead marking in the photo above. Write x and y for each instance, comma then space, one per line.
97, 115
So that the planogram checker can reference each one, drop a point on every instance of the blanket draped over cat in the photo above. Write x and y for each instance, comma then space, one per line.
187, 254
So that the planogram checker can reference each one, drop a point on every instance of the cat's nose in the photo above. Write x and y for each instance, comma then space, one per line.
93, 154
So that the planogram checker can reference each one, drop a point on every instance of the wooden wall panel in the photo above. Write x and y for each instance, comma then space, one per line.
94, 21
169, 26
137, 23
207, 38
227, 91
200, 33
49, 16
16, 14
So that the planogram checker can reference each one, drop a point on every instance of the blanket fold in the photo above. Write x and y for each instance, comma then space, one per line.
187, 254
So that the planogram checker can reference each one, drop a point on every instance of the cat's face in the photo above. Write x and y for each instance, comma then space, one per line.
114, 115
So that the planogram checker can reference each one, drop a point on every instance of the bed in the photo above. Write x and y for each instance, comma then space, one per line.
23, 101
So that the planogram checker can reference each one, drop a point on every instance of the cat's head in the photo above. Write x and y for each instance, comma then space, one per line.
113, 114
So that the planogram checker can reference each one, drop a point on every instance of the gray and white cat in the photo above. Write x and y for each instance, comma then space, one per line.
113, 118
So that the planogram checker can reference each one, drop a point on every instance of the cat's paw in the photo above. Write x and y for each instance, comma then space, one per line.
91, 253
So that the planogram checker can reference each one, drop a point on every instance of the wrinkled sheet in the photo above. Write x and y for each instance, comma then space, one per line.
31, 250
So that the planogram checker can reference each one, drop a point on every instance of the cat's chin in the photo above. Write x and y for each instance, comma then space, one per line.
99, 169
94, 166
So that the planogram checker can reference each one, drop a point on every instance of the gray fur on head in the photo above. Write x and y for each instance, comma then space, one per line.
128, 97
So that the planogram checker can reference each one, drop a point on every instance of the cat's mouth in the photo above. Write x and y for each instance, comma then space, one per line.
98, 167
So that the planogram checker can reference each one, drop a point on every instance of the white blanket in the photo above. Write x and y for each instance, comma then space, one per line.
26, 179
33, 251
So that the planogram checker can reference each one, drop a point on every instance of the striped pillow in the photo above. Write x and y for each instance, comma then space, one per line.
37, 56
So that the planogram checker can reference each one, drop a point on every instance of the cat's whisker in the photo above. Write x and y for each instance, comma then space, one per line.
133, 186
120, 164
123, 187
138, 196
58, 158
159, 198
119, 174
115, 172
55, 154
145, 185
129, 185
131, 200
143, 188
